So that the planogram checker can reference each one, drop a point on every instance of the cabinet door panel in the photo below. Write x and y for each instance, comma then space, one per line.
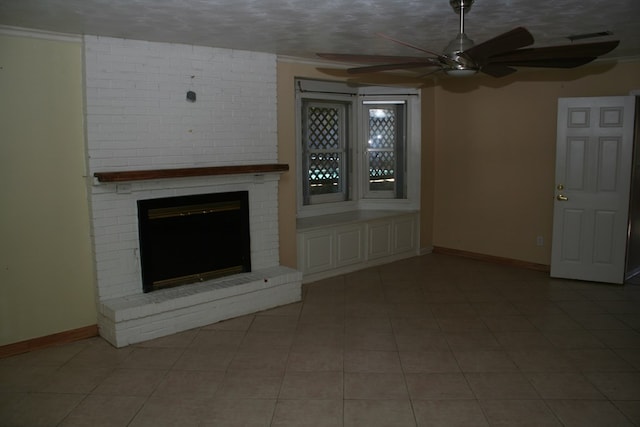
318, 251
349, 245
379, 239
404, 234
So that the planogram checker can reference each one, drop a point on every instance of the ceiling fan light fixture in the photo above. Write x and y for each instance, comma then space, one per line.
461, 72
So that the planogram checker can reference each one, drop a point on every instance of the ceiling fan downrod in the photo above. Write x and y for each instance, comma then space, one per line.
461, 7
461, 66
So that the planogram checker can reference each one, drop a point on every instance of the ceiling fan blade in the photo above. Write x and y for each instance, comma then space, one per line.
422, 76
497, 70
369, 59
505, 42
442, 58
400, 42
583, 50
426, 62
548, 62
373, 78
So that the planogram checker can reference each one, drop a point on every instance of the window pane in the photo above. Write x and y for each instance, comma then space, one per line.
324, 173
382, 128
384, 149
382, 171
324, 128
324, 132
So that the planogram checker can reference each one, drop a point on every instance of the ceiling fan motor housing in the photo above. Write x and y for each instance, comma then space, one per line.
461, 5
455, 48
458, 45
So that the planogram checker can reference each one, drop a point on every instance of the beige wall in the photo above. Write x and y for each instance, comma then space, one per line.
495, 156
488, 156
427, 165
46, 274
487, 173
287, 72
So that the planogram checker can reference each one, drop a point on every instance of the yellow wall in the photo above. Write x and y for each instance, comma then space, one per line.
46, 273
495, 156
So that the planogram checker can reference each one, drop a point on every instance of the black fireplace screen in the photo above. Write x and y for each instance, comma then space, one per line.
189, 239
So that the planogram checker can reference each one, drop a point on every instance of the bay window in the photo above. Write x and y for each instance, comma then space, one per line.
358, 147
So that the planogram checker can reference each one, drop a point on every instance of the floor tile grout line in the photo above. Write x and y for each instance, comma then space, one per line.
392, 304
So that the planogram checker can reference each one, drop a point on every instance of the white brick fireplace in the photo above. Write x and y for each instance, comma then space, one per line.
139, 119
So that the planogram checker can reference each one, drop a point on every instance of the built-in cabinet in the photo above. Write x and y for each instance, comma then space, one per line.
336, 244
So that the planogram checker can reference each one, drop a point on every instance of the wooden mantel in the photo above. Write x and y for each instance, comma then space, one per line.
139, 175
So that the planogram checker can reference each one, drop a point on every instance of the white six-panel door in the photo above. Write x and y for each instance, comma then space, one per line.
593, 176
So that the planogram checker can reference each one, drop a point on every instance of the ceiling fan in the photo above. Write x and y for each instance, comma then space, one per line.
495, 57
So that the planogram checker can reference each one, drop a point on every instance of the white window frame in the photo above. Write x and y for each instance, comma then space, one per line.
358, 168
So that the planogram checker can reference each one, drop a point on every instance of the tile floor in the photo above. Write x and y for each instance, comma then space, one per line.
430, 341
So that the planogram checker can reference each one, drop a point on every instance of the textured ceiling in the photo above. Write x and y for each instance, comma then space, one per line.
299, 28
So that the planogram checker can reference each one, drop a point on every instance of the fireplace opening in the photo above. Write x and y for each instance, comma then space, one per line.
190, 239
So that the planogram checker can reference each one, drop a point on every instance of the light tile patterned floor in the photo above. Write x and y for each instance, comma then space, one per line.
430, 341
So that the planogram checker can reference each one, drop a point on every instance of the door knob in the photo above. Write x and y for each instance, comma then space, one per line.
562, 198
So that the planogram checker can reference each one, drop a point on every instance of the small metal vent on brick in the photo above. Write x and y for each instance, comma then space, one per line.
190, 239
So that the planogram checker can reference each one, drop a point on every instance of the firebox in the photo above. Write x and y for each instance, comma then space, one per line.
188, 239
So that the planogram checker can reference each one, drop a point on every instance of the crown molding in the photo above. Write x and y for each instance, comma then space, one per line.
39, 34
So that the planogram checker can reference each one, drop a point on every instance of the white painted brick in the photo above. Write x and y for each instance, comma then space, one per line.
138, 118
126, 321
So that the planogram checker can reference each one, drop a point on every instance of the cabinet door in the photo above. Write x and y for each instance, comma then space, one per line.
350, 247
404, 234
317, 251
379, 239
